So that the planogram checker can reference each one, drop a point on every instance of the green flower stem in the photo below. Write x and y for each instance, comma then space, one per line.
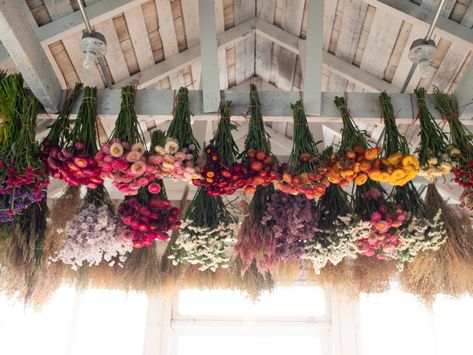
460, 136
433, 141
333, 204
303, 142
180, 128
393, 140
127, 127
257, 137
207, 211
59, 130
351, 134
85, 129
223, 141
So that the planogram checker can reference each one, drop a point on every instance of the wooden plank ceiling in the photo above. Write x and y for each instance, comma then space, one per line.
354, 31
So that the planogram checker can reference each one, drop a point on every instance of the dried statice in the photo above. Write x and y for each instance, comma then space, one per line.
93, 235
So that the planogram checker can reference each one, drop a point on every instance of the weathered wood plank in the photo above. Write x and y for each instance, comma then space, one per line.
381, 39
293, 15
114, 56
265, 11
139, 36
347, 43
450, 66
191, 22
168, 35
244, 53
330, 8
58, 8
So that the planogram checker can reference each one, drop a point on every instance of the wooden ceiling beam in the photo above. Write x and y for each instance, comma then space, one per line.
154, 104
311, 59
209, 56
21, 42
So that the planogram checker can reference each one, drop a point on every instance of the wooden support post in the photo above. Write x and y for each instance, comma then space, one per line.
209, 56
313, 57
24, 47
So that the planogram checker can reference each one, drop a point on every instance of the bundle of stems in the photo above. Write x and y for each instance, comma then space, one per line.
333, 204
433, 141
448, 270
460, 137
303, 142
352, 136
12, 93
257, 137
223, 141
85, 125
52, 275
180, 128
127, 127
393, 141
60, 129
207, 211
24, 252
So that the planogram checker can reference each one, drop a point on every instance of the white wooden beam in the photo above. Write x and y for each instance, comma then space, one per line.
422, 17
21, 42
313, 57
185, 58
154, 104
209, 57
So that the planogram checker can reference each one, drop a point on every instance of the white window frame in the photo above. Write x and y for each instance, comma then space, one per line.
338, 329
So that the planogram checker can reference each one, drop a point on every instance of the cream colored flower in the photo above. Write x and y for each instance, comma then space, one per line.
171, 146
159, 150
116, 150
138, 147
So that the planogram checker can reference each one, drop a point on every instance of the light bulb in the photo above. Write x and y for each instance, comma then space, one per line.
89, 59
424, 66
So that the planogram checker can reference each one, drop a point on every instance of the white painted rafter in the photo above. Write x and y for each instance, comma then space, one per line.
21, 42
209, 56
313, 57
152, 104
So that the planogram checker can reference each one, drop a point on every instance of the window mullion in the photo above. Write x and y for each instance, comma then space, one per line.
158, 325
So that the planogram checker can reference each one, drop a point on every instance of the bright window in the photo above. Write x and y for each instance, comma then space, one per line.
249, 345
297, 301
397, 323
92, 322
288, 320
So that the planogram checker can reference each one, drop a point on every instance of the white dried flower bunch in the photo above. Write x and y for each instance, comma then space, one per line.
93, 235
207, 247
336, 243
420, 235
